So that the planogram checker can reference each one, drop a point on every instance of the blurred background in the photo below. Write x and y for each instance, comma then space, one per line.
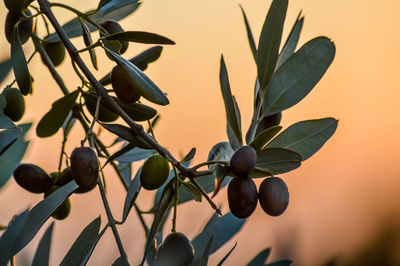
344, 200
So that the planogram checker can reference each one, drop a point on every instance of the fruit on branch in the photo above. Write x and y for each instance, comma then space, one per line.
15, 5
243, 161
32, 178
105, 114
111, 26
56, 52
63, 178
273, 195
269, 121
15, 105
176, 250
242, 196
25, 26
64, 209
122, 87
155, 172
85, 167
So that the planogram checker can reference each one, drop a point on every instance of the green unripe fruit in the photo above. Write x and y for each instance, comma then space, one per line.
111, 26
122, 87
243, 161
32, 178
155, 172
273, 195
63, 210
25, 27
85, 168
56, 52
63, 178
176, 250
105, 114
269, 121
15, 106
242, 197
15, 5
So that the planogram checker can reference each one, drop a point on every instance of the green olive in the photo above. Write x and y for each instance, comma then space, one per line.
273, 195
64, 209
155, 172
242, 197
176, 250
243, 161
56, 52
122, 87
25, 27
15, 105
32, 178
85, 167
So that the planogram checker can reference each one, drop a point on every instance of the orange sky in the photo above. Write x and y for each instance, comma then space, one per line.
336, 195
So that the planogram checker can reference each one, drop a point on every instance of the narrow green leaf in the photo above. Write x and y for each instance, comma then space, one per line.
277, 160
280, 263
224, 228
221, 151
206, 252
13, 155
7, 138
291, 42
270, 40
137, 111
134, 155
39, 214
227, 255
229, 102
5, 67
306, 137
127, 134
8, 238
260, 258
233, 141
54, 119
19, 65
189, 156
87, 39
85, 241
126, 171
266, 135
68, 124
42, 255
194, 191
249, 34
141, 61
119, 153
298, 75
120, 262
140, 37
145, 86
162, 208
131, 195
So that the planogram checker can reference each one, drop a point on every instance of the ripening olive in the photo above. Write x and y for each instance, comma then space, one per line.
176, 250
269, 121
105, 114
84, 166
242, 197
273, 195
122, 87
64, 209
111, 26
32, 178
56, 52
15, 105
155, 172
25, 27
15, 5
243, 161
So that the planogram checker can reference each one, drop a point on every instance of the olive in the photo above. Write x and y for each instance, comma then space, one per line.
105, 114
155, 172
25, 27
122, 87
269, 121
15, 5
176, 250
273, 195
32, 178
111, 26
15, 105
242, 197
243, 161
64, 209
85, 167
56, 52
64, 177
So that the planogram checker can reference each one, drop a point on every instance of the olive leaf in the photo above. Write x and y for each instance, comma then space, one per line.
134, 155
189, 156
227, 255
206, 253
140, 37
266, 135
249, 34
260, 258
233, 141
131, 194
193, 190
19, 65
127, 134
87, 39
42, 255
5, 67
7, 138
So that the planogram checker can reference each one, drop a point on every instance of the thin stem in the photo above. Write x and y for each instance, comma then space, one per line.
96, 115
142, 221
150, 129
111, 220
209, 163
176, 190
194, 182
77, 12
96, 44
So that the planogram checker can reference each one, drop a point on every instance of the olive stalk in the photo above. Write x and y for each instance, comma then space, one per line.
176, 191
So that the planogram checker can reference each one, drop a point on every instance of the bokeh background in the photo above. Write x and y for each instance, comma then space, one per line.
344, 200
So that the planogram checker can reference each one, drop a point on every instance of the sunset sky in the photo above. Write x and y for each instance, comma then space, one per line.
337, 197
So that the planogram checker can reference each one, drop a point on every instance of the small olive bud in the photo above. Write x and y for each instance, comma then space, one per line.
243, 161
32, 178
85, 168
176, 250
242, 197
273, 195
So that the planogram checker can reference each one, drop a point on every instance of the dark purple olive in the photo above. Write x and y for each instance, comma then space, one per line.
243, 161
273, 195
122, 87
269, 121
32, 178
242, 197
25, 27
176, 250
85, 168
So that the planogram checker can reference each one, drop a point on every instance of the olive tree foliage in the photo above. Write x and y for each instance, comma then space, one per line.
285, 75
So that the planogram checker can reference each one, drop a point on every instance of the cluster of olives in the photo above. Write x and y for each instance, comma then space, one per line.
155, 172
176, 250
15, 103
84, 170
273, 193
17, 13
